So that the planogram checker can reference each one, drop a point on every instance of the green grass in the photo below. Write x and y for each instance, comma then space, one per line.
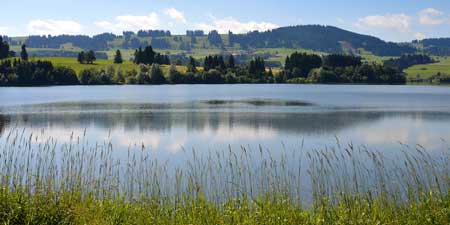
79, 183
428, 70
99, 64
369, 57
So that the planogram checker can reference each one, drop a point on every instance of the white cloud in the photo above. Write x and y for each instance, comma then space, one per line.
54, 27
130, 23
398, 22
3, 30
431, 16
420, 36
175, 15
231, 24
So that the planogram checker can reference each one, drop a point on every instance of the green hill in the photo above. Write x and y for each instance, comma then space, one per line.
273, 45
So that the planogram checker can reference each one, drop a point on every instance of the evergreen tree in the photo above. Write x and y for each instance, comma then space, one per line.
4, 49
138, 56
207, 63
81, 57
24, 54
157, 75
149, 55
231, 62
118, 57
221, 63
257, 68
192, 65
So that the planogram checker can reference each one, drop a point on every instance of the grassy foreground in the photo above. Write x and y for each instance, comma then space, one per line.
68, 208
43, 182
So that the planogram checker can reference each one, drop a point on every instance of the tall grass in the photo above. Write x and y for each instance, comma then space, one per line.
46, 182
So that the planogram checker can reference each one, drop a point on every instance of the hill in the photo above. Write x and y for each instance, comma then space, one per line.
327, 39
273, 45
435, 46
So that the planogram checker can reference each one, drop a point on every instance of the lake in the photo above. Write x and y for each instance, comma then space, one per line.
230, 139
168, 119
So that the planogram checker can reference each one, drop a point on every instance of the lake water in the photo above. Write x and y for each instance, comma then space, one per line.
167, 119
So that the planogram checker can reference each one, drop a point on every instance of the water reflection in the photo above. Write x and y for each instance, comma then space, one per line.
290, 122
4, 121
169, 127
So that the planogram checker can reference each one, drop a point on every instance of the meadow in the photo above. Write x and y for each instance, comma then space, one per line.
74, 182
99, 64
429, 70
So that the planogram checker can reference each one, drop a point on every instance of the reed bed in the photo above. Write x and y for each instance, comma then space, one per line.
43, 181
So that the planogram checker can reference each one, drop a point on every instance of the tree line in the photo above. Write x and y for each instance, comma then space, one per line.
148, 57
217, 69
338, 68
97, 42
20, 72
406, 61
4, 49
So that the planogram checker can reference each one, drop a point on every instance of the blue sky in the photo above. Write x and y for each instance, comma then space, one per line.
401, 20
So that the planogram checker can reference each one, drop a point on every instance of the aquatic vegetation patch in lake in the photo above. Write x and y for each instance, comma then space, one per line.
258, 102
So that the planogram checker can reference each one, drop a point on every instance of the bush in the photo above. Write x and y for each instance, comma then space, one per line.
212, 77
64, 76
89, 77
297, 80
157, 75
175, 77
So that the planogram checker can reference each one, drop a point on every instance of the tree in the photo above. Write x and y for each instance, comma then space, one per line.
118, 57
337, 60
89, 77
214, 38
143, 76
138, 56
192, 65
24, 54
81, 57
175, 77
300, 64
157, 75
231, 63
257, 68
4, 49
90, 57
119, 77
64, 76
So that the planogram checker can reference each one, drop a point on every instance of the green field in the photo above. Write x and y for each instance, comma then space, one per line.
99, 64
428, 70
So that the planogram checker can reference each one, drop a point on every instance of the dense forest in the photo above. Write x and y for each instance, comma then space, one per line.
435, 46
336, 68
327, 39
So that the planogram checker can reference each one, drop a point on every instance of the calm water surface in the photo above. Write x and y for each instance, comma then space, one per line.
167, 119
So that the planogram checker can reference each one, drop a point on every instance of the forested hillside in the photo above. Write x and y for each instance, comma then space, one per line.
326, 39
435, 46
